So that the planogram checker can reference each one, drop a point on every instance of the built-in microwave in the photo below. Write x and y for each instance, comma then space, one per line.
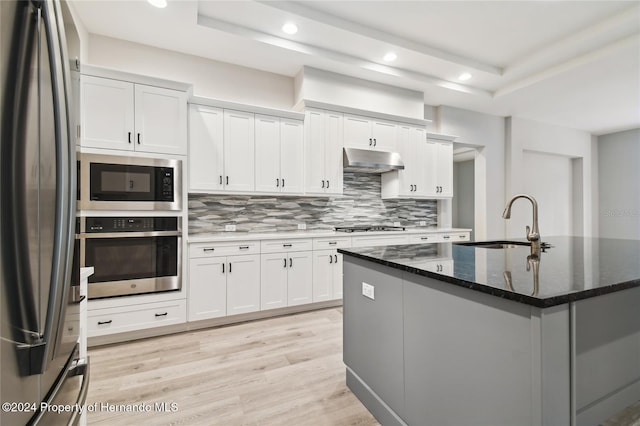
112, 182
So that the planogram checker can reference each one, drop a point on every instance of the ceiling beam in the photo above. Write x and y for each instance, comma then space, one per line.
343, 58
305, 11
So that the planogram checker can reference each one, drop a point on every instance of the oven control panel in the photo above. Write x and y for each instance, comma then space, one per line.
130, 224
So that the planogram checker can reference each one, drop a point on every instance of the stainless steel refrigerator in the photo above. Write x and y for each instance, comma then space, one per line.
39, 298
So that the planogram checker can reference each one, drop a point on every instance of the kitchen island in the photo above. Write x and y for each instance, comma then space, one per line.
455, 334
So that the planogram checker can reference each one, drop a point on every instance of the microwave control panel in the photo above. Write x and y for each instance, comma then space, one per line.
130, 224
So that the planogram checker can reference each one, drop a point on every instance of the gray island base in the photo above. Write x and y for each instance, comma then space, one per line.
437, 348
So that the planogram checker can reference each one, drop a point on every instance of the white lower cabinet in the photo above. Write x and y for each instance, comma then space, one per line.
222, 282
243, 284
286, 279
208, 288
327, 275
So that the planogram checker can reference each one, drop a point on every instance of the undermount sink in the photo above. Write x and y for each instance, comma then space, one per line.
496, 244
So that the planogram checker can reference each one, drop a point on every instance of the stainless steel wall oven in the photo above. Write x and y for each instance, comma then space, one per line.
111, 182
131, 255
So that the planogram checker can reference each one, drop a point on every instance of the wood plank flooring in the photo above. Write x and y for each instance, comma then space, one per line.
280, 371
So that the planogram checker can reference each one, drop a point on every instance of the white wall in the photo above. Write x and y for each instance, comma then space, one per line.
210, 78
337, 89
486, 133
619, 183
524, 136
551, 185
463, 195
81, 30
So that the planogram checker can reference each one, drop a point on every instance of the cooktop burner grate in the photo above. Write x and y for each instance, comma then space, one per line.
368, 228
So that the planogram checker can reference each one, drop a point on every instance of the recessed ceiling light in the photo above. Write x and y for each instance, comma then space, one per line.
464, 76
160, 4
290, 28
390, 57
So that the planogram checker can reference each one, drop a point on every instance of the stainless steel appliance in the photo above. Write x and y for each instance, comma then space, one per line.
39, 307
131, 255
370, 161
111, 182
368, 228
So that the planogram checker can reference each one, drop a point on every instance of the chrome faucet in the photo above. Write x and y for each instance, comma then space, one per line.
533, 235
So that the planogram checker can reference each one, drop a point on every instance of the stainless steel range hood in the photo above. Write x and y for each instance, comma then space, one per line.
365, 160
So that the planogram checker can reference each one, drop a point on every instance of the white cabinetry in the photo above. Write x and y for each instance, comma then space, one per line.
279, 149
428, 171
440, 168
323, 151
368, 133
239, 161
132, 117
286, 269
327, 275
224, 279
221, 150
135, 317
206, 148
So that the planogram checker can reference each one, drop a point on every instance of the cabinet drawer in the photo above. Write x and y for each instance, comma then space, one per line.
279, 246
424, 238
379, 240
331, 243
136, 317
197, 250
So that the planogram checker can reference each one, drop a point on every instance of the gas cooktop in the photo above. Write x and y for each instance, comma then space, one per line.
368, 228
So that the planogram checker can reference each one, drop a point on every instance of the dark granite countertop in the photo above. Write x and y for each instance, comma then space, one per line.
574, 268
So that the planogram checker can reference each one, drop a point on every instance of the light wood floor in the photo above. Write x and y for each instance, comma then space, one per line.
280, 371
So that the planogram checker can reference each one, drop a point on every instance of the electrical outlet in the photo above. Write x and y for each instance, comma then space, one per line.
229, 227
302, 226
368, 291
396, 224
423, 223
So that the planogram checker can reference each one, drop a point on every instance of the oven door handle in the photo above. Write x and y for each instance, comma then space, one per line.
89, 235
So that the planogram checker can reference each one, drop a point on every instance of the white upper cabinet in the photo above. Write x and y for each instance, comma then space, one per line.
428, 171
279, 155
323, 138
239, 160
369, 133
132, 117
206, 148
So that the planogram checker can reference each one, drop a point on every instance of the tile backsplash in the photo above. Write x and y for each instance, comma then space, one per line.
360, 205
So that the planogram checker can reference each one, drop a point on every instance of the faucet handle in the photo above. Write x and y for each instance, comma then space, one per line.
528, 228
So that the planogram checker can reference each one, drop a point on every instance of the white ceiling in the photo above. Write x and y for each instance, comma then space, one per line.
570, 63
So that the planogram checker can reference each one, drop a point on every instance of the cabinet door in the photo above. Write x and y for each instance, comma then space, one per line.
385, 135
239, 151
107, 113
267, 153
161, 120
337, 276
207, 288
357, 132
420, 163
445, 168
300, 285
323, 261
206, 154
273, 283
407, 149
333, 143
430, 171
314, 140
291, 156
243, 284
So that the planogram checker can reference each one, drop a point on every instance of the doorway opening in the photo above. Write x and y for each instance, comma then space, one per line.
463, 203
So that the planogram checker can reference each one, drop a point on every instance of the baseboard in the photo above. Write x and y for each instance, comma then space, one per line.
376, 406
